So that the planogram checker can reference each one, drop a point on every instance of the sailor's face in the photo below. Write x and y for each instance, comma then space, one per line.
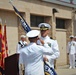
71, 38
44, 33
23, 39
75, 39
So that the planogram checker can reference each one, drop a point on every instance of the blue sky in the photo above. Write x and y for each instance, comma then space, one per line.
74, 1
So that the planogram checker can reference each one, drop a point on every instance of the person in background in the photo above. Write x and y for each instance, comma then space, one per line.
21, 44
44, 29
31, 56
71, 52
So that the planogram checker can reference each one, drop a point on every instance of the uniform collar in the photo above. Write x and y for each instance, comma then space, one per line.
32, 43
45, 37
22, 42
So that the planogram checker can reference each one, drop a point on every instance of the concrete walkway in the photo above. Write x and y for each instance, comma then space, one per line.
64, 70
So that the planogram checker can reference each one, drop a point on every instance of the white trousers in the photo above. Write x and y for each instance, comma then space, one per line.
72, 60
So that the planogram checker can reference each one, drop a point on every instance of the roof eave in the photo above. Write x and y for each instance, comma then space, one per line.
61, 3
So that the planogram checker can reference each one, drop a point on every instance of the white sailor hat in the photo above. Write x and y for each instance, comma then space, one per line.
23, 36
33, 33
71, 36
44, 26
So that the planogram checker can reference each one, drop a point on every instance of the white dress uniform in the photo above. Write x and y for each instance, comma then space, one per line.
20, 45
53, 44
72, 51
32, 57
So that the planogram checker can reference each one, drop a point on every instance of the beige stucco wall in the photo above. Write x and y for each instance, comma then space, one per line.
12, 29
61, 38
74, 24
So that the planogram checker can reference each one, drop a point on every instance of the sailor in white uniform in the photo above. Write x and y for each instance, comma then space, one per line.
31, 57
45, 28
71, 52
21, 44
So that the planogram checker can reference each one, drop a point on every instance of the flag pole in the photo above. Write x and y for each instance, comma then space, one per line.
11, 2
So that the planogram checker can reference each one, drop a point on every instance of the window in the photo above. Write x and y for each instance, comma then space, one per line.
35, 20
60, 23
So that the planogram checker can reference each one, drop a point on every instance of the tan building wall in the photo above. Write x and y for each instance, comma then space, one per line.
12, 29
36, 7
74, 23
